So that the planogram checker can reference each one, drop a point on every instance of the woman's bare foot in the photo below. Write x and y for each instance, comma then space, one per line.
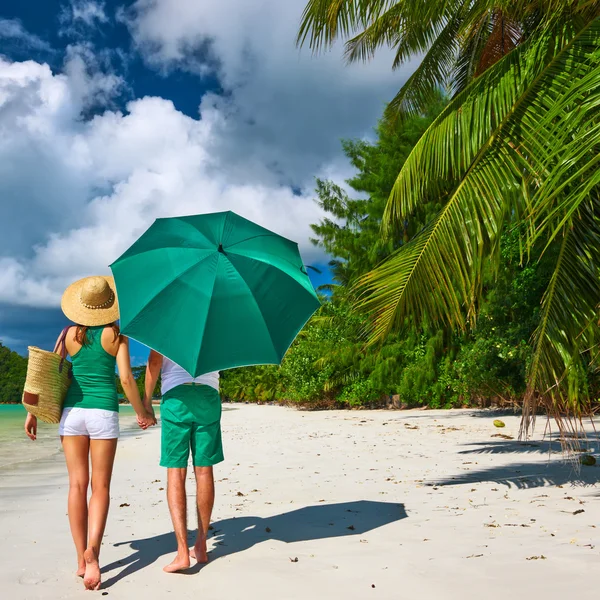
91, 578
199, 553
80, 566
180, 563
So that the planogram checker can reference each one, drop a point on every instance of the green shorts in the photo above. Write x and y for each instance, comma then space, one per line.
191, 420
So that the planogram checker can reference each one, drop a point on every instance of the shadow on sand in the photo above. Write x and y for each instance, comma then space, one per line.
238, 534
512, 447
529, 475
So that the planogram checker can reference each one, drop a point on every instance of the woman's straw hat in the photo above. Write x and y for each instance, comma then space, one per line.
91, 301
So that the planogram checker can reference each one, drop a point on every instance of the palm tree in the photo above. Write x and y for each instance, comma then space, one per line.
519, 142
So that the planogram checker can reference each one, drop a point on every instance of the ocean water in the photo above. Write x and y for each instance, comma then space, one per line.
17, 448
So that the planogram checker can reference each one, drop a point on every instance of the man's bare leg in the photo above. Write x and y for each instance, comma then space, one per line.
205, 499
178, 508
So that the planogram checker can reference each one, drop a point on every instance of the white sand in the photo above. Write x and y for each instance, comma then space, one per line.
418, 504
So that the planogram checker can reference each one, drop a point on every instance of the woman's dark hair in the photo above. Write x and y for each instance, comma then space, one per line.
81, 333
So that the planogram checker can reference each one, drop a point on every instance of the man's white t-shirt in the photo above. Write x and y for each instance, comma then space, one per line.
174, 375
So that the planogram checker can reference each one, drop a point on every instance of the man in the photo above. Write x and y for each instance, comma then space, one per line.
191, 421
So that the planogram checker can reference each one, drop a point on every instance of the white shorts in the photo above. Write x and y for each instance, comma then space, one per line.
95, 423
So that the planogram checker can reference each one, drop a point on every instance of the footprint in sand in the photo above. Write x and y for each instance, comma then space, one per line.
31, 579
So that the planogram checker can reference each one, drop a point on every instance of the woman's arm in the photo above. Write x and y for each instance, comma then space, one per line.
129, 384
31, 426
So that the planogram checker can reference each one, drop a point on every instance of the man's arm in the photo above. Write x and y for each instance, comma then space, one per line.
155, 361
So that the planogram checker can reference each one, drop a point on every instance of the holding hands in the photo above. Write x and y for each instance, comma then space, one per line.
146, 418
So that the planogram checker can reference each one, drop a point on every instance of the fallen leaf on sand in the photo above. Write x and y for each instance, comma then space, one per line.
240, 494
499, 423
295, 559
540, 557
123, 505
475, 556
578, 512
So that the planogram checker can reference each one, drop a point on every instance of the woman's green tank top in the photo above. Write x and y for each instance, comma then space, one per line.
94, 384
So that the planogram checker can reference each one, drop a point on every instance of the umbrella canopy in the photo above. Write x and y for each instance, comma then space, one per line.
213, 292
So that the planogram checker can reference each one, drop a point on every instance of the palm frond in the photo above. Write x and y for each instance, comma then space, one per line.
505, 36
424, 84
487, 139
568, 325
471, 130
323, 21
435, 277
385, 30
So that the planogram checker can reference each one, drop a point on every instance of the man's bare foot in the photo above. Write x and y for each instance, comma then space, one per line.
180, 563
199, 553
91, 578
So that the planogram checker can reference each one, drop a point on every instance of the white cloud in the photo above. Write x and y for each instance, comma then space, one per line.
75, 193
12, 29
117, 173
91, 75
284, 109
80, 15
88, 11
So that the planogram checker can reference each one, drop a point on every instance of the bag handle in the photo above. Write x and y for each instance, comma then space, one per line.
62, 345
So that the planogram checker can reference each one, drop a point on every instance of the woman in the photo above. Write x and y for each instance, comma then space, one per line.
89, 426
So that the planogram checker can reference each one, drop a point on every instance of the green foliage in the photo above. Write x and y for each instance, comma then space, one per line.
13, 370
422, 363
516, 148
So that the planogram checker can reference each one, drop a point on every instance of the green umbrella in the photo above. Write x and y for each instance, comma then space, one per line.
213, 292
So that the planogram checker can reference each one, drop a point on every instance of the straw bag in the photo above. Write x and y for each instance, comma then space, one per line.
48, 379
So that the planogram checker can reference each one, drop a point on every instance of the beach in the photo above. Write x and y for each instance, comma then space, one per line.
336, 504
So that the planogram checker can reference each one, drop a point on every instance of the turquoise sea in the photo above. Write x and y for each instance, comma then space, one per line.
16, 447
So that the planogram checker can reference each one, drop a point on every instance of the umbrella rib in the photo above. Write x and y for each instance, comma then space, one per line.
212, 297
256, 303
274, 266
142, 308
160, 248
253, 237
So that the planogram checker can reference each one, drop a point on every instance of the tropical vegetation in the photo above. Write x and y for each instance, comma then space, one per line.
420, 363
513, 156
13, 369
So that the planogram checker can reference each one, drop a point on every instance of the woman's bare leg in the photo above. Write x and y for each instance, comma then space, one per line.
76, 450
103, 456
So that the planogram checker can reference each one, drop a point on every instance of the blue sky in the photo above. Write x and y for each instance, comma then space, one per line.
115, 113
